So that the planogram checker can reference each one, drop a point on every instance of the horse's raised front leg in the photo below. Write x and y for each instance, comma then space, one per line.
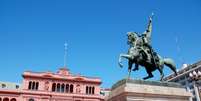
123, 56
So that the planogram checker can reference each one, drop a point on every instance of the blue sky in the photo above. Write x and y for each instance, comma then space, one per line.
32, 35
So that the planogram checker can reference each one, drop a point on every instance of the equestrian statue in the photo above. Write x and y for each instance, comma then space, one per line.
141, 53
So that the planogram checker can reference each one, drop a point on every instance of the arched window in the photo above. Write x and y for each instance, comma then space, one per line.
62, 88
54, 87
93, 90
67, 88
71, 88
87, 90
58, 87
0, 99
30, 83
6, 99
13, 99
33, 85
37, 84
31, 99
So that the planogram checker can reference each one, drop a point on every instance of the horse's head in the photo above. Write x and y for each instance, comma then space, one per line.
132, 37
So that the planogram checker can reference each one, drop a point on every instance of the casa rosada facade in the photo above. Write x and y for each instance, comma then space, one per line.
60, 86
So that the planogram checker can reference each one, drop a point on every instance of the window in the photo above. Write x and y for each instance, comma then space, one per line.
0, 99
54, 87
67, 88
90, 90
30, 83
6, 99
33, 85
93, 90
31, 99
87, 90
58, 87
37, 84
13, 99
62, 88
71, 88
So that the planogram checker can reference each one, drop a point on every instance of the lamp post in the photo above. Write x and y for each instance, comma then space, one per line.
195, 77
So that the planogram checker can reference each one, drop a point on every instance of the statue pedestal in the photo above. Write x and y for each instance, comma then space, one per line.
140, 90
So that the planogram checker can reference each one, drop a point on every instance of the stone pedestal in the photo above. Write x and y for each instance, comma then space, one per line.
140, 90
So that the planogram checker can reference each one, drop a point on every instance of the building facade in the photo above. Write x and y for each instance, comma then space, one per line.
183, 79
8, 91
60, 86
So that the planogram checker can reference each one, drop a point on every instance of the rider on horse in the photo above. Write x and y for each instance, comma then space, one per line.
143, 44
141, 53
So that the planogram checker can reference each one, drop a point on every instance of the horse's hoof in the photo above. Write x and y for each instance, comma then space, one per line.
145, 78
135, 69
150, 76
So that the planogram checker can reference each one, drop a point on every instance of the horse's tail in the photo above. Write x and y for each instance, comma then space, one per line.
170, 63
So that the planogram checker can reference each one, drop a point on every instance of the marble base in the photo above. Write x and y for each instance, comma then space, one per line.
140, 90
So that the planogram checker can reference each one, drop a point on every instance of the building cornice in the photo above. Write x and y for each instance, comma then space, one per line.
56, 76
184, 71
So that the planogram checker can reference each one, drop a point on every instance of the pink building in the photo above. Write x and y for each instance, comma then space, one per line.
60, 86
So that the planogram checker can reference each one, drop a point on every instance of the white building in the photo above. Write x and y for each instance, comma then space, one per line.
183, 78
9, 85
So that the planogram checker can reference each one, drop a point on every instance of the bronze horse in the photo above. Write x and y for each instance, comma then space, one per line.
135, 57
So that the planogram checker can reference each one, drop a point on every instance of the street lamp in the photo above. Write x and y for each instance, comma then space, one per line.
195, 76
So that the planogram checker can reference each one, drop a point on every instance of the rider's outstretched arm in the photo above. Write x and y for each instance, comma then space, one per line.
149, 27
148, 31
